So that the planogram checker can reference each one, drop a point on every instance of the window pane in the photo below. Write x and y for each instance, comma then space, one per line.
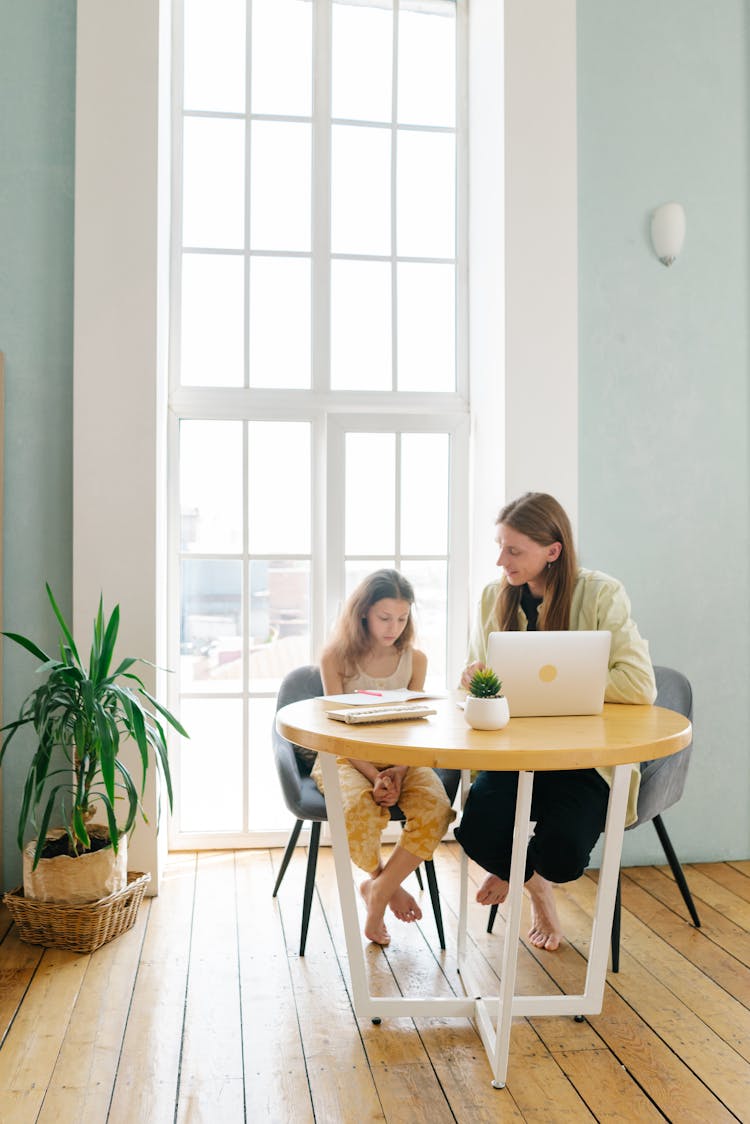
360, 190
214, 61
356, 572
211, 625
426, 327
430, 581
427, 67
213, 205
281, 67
266, 808
362, 62
370, 511
425, 490
280, 333
212, 320
279, 487
279, 620
210, 796
426, 195
280, 186
361, 326
211, 486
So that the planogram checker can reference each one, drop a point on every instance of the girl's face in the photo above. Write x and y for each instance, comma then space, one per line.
386, 620
523, 560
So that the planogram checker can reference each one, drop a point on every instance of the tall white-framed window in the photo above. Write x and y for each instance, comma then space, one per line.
318, 391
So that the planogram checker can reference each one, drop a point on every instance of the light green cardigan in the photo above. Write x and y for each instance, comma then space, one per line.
599, 602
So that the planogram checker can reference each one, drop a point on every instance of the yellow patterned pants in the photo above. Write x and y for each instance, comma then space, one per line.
423, 801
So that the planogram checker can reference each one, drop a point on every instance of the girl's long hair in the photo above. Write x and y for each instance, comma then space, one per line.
543, 519
350, 639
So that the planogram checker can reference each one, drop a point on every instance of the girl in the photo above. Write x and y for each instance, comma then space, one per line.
371, 648
543, 587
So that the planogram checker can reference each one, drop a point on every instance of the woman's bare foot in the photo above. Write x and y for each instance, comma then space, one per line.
374, 929
405, 906
545, 931
493, 891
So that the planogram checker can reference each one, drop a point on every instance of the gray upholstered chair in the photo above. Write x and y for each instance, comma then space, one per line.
305, 801
662, 784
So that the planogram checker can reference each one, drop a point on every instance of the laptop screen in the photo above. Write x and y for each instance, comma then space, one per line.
546, 673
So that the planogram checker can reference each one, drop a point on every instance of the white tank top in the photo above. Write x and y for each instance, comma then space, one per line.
401, 677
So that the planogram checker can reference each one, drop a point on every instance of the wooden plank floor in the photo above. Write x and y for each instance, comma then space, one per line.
205, 1012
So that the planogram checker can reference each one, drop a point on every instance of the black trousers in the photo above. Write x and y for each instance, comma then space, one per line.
570, 810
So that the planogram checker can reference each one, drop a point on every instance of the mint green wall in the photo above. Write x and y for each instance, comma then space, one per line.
37, 107
664, 483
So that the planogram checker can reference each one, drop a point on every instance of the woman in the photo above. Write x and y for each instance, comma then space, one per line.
543, 587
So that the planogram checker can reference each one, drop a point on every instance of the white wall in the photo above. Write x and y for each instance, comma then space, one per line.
119, 345
523, 204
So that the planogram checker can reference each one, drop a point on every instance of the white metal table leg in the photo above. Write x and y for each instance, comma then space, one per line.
365, 1004
512, 928
596, 971
343, 864
463, 912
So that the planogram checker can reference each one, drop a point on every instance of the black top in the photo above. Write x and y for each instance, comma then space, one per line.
530, 605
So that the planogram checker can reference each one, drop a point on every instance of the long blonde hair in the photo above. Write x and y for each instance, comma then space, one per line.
350, 639
541, 518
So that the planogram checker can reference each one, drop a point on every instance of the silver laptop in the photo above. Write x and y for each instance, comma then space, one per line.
546, 673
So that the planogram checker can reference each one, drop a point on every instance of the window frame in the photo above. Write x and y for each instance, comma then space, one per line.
330, 412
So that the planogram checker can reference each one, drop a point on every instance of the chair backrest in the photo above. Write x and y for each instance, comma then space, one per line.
294, 763
302, 683
663, 781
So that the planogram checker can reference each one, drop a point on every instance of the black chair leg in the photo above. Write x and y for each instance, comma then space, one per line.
491, 918
616, 920
677, 871
288, 854
312, 862
417, 871
429, 867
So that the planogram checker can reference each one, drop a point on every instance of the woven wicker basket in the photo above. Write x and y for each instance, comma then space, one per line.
80, 928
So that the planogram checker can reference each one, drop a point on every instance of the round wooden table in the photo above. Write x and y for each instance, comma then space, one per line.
619, 737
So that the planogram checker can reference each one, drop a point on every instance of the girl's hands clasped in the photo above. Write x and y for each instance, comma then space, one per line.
387, 787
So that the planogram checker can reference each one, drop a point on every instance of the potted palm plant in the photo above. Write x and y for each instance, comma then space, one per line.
82, 717
486, 707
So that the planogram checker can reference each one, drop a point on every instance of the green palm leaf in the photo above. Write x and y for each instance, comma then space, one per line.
81, 717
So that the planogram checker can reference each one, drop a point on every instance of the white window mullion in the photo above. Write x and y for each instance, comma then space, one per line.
394, 216
321, 198
245, 591
397, 503
336, 496
248, 153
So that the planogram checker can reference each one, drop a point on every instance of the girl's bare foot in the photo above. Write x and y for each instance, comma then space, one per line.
374, 929
405, 906
493, 891
545, 931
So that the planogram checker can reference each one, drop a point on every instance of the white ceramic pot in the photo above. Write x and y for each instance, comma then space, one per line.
487, 714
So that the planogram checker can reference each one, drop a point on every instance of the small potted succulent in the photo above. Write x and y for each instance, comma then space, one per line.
486, 707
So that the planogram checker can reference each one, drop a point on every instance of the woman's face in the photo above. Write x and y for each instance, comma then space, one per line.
387, 619
523, 560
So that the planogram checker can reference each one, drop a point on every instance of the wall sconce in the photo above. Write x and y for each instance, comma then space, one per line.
668, 231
